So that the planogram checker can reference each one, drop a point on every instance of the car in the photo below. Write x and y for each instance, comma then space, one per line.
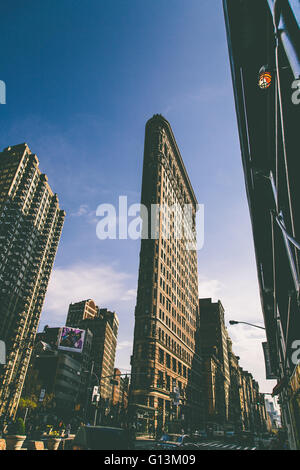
175, 442
103, 438
200, 436
266, 441
218, 433
230, 435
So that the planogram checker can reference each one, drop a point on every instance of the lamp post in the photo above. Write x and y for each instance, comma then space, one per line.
234, 322
91, 372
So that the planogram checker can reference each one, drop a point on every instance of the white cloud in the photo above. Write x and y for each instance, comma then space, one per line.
124, 345
247, 343
84, 211
129, 295
209, 288
82, 281
241, 302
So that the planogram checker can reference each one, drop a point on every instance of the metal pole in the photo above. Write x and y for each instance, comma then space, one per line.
95, 418
246, 323
25, 416
280, 17
88, 389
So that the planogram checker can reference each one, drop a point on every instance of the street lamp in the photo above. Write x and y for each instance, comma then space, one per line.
234, 322
265, 78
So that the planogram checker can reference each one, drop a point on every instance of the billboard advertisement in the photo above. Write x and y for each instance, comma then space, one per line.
71, 339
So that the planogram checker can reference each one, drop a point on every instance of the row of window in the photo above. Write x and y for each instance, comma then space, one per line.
174, 346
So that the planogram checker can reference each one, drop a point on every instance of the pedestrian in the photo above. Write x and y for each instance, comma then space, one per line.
68, 430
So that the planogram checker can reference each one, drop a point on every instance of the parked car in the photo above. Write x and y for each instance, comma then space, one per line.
200, 436
103, 438
175, 442
218, 433
266, 440
230, 435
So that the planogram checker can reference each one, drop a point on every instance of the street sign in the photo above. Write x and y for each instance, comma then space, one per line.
95, 394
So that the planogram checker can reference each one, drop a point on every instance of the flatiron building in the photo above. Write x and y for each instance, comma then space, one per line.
30, 228
165, 380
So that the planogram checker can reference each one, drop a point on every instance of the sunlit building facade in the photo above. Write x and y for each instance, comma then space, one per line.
104, 325
165, 387
31, 223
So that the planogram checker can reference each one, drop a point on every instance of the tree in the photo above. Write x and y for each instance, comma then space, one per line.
28, 402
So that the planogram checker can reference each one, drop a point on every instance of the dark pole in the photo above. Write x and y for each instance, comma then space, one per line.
88, 389
234, 322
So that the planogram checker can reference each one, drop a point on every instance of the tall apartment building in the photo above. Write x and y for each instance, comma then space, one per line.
165, 363
104, 325
236, 402
30, 228
84, 310
231, 396
273, 414
214, 341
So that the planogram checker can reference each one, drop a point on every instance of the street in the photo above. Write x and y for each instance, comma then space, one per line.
148, 444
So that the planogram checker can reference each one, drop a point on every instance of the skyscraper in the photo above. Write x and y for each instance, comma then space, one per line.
165, 363
30, 228
214, 338
104, 325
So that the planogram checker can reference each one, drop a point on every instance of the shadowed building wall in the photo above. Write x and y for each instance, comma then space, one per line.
30, 228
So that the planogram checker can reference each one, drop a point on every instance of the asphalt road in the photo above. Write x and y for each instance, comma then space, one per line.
148, 444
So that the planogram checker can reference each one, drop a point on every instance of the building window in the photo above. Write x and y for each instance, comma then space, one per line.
161, 356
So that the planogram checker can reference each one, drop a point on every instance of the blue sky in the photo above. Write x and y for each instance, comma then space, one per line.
82, 78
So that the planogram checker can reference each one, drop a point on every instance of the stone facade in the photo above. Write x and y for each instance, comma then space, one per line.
165, 361
104, 326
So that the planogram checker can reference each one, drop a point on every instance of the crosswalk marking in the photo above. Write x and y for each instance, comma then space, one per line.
222, 445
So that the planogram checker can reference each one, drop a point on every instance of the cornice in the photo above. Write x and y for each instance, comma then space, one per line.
158, 119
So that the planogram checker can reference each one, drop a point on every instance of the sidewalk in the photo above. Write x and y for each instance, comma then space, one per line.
142, 437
